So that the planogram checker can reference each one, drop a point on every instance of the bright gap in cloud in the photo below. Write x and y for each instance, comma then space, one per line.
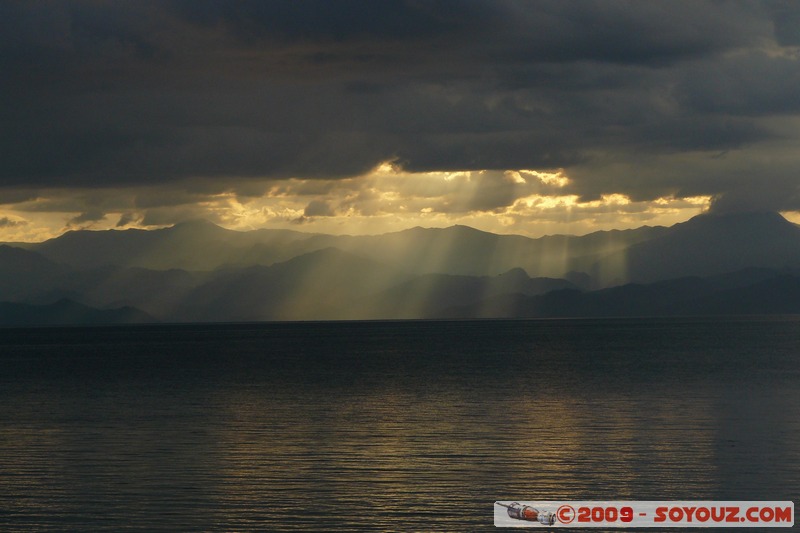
528, 202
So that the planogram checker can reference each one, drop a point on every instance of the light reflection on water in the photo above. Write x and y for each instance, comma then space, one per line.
389, 426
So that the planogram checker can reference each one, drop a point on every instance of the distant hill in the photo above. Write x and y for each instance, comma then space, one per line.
67, 312
706, 245
459, 250
318, 285
23, 272
28, 277
194, 245
778, 293
197, 271
430, 295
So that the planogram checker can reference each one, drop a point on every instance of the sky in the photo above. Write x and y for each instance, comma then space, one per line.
361, 117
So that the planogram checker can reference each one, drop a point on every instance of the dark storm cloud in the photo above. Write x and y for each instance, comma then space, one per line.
87, 217
342, 20
751, 196
105, 94
318, 208
786, 18
6, 222
125, 219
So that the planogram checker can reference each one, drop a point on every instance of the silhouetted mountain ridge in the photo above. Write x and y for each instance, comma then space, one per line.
315, 286
778, 293
429, 295
197, 271
706, 245
201, 245
66, 312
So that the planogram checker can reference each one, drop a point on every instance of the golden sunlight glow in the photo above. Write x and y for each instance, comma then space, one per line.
557, 179
524, 201
615, 199
385, 168
514, 177
547, 202
792, 216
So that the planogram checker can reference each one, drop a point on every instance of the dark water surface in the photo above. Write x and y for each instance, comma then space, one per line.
389, 425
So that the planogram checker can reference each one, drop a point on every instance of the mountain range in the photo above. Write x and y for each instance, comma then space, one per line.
746, 263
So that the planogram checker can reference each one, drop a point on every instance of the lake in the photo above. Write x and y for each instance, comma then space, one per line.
350, 426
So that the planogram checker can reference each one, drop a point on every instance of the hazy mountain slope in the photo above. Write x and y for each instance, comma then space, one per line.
460, 250
67, 312
706, 245
23, 272
701, 265
28, 277
318, 285
778, 294
196, 245
429, 295
157, 292
323, 284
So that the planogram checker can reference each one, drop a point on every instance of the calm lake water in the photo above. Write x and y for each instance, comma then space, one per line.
389, 425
